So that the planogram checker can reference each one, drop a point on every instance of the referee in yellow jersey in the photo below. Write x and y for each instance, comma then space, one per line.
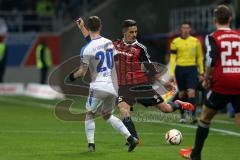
186, 65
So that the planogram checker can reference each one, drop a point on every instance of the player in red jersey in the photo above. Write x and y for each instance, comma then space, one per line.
222, 77
135, 83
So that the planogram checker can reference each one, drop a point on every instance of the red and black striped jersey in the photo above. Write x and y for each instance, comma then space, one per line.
223, 54
133, 63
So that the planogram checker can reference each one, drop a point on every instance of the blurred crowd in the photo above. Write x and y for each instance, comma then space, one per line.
42, 7
28, 12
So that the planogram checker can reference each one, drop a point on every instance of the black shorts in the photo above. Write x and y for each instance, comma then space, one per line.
219, 101
186, 77
143, 94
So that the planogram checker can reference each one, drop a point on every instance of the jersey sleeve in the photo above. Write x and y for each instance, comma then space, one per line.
145, 58
113, 49
84, 56
172, 64
173, 55
212, 50
173, 47
200, 57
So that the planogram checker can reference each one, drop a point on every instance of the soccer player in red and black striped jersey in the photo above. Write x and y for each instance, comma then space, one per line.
222, 77
135, 74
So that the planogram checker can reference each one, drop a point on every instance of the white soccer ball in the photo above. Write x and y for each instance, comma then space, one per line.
173, 137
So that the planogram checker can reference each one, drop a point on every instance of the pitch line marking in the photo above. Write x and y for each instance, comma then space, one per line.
48, 106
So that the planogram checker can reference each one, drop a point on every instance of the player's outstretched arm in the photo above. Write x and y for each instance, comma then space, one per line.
79, 73
81, 26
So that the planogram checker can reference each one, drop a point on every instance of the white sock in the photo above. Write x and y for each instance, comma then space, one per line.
119, 126
90, 129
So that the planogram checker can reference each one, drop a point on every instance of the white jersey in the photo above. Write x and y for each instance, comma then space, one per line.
99, 55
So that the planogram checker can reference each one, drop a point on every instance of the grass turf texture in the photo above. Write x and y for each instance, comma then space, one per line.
30, 130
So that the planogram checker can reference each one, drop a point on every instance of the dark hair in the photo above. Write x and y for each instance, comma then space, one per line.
128, 23
186, 22
94, 23
222, 14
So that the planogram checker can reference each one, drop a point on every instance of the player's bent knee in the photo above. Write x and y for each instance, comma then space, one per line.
181, 94
125, 113
205, 118
89, 115
124, 109
106, 116
164, 107
207, 114
191, 93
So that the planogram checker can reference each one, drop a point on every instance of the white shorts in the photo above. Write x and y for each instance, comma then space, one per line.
99, 102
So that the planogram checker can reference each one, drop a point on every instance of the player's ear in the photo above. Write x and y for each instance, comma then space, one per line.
124, 30
215, 21
230, 20
190, 28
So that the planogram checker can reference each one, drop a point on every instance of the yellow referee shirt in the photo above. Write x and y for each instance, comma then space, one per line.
186, 52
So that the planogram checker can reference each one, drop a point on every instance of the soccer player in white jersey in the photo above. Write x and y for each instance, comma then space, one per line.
97, 55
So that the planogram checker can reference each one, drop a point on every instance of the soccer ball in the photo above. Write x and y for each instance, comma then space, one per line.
173, 137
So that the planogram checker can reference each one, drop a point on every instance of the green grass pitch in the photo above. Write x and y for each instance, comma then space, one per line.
29, 130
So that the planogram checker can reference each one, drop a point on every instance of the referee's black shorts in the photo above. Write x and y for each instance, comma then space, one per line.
186, 77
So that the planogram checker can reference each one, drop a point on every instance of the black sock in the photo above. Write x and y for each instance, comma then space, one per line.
193, 101
182, 113
201, 135
127, 121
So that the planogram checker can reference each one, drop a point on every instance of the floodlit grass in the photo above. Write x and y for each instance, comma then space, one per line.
30, 130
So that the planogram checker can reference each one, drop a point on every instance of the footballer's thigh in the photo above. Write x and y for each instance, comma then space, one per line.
124, 105
207, 114
213, 103
164, 107
95, 101
93, 104
124, 109
125, 100
182, 94
109, 105
191, 93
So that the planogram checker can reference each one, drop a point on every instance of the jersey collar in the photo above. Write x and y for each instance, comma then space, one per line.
98, 37
224, 28
135, 42
185, 38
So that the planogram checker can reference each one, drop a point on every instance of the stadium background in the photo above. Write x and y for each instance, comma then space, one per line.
158, 22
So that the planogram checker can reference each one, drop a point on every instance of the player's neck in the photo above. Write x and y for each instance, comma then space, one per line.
94, 35
219, 26
129, 42
184, 36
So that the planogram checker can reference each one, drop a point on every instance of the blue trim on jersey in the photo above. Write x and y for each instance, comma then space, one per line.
81, 51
